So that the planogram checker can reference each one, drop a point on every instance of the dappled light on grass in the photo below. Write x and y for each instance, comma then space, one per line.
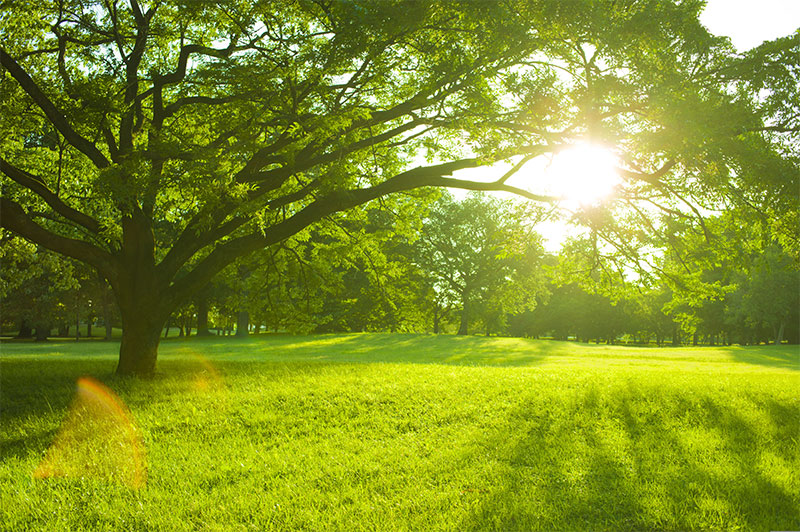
97, 439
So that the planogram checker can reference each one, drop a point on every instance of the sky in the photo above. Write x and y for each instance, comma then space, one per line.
750, 22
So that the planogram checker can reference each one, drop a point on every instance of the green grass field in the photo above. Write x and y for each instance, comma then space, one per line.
415, 432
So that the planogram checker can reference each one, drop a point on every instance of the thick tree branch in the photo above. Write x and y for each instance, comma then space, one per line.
36, 185
192, 240
336, 154
14, 218
653, 178
53, 114
183, 59
132, 118
333, 202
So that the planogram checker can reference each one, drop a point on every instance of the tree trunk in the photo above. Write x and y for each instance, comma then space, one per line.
144, 315
202, 317
25, 330
107, 318
139, 348
779, 335
463, 328
89, 328
42, 331
140, 294
242, 323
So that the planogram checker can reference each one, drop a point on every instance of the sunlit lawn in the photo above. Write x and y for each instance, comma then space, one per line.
414, 432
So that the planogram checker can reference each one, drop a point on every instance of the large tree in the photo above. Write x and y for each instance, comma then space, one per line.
160, 142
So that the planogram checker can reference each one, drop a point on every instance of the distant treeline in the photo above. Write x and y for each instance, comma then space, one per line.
474, 266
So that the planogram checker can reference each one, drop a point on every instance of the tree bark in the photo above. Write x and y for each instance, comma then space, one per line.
107, 316
42, 331
779, 335
141, 296
144, 315
25, 330
242, 323
463, 327
139, 348
202, 317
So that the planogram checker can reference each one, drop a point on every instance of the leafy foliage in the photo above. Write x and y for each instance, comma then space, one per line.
159, 143
482, 255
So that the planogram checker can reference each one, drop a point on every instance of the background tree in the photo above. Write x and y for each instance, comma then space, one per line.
39, 289
742, 285
482, 254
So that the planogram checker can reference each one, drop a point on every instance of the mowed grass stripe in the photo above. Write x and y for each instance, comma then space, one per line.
414, 432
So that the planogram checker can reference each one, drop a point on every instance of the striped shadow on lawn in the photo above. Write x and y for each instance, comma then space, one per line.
416, 432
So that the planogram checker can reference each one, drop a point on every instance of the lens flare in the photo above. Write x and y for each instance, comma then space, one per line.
206, 377
97, 439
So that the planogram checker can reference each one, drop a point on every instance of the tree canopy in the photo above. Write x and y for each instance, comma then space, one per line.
158, 142
472, 250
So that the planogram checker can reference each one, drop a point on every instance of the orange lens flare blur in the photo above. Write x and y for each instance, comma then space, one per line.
97, 439
206, 377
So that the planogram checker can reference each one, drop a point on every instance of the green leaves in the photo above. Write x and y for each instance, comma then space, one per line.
227, 127
481, 252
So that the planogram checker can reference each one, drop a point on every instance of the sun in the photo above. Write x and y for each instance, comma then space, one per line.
583, 174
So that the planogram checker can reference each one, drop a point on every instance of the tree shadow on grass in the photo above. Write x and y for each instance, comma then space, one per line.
31, 390
623, 460
376, 347
775, 356
411, 348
